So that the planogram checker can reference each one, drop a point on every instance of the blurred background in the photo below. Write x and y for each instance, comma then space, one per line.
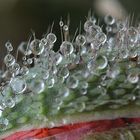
18, 17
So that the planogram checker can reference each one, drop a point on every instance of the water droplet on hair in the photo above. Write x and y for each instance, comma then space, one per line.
3, 124
9, 60
9, 46
63, 92
88, 24
109, 20
23, 48
24, 70
16, 68
36, 47
100, 38
58, 58
66, 48
65, 28
63, 72
101, 62
80, 107
91, 65
83, 91
61, 23
50, 82
18, 85
132, 34
133, 78
29, 61
80, 40
92, 32
51, 38
72, 82
37, 86
9, 102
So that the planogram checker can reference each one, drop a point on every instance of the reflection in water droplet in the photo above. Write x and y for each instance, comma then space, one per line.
51, 38
101, 62
9, 103
63, 92
72, 82
88, 24
18, 85
9, 60
63, 72
36, 47
80, 40
3, 124
37, 86
66, 48
133, 78
109, 20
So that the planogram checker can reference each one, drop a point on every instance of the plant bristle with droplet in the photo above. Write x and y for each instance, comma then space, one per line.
90, 74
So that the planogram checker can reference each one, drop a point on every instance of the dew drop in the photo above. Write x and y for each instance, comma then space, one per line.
6, 91
100, 38
109, 20
43, 41
132, 35
61, 23
114, 72
109, 29
80, 40
88, 24
53, 69
9, 102
46, 75
63, 92
58, 58
84, 84
94, 30
24, 70
91, 65
74, 58
83, 50
102, 90
121, 25
24, 58
18, 85
9, 46
29, 61
83, 91
80, 107
37, 86
66, 48
51, 38
50, 82
3, 124
72, 82
9, 60
124, 53
16, 67
133, 53
101, 62
63, 72
36, 47
23, 48
133, 78
65, 28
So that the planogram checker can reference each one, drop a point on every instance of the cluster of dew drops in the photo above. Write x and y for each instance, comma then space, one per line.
42, 67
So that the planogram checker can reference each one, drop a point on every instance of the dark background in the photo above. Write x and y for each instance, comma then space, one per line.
18, 17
